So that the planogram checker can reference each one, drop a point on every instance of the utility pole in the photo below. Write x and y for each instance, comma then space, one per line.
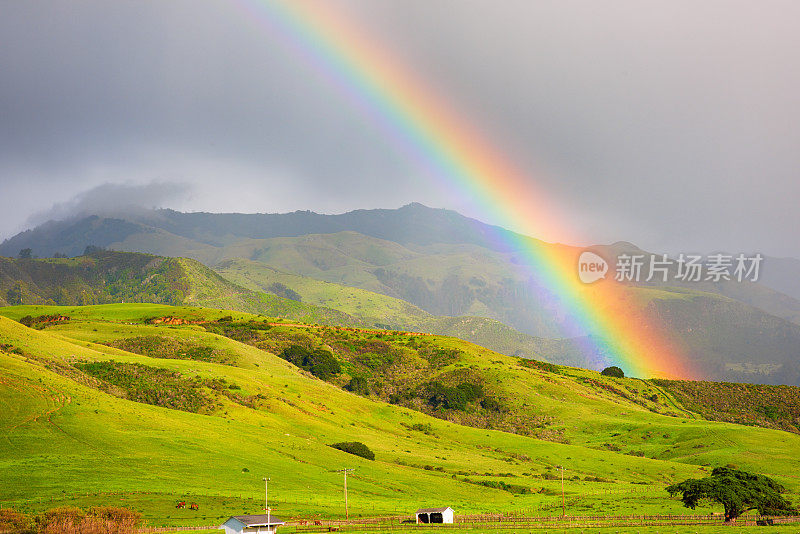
266, 495
346, 511
563, 502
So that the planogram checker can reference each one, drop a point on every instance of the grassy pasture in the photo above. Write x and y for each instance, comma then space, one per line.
64, 441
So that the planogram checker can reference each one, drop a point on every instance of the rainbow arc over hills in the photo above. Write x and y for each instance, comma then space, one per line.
452, 151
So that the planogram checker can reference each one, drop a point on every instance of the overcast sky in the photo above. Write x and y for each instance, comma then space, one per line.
671, 124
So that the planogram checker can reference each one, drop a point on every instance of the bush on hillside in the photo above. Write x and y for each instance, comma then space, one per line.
613, 371
172, 347
355, 447
43, 320
13, 521
499, 484
71, 520
319, 362
542, 366
150, 385
452, 398
358, 385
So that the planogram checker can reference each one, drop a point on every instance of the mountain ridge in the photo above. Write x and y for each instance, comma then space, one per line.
449, 265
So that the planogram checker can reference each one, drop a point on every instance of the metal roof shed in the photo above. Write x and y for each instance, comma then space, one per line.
239, 524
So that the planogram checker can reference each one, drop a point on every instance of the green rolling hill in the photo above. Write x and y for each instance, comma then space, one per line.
103, 405
241, 285
445, 265
388, 312
108, 277
373, 308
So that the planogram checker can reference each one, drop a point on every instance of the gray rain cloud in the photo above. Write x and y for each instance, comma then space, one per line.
671, 124
112, 199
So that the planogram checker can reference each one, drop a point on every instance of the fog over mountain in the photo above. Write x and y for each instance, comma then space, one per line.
672, 125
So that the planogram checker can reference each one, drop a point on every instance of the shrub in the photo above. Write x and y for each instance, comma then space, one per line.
359, 385
511, 488
150, 385
70, 520
493, 404
169, 347
542, 366
613, 371
376, 360
355, 447
425, 428
319, 362
13, 521
452, 398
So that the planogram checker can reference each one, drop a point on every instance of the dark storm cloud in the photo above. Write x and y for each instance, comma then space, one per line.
670, 124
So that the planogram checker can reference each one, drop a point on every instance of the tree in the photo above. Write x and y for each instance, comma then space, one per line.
738, 491
25, 254
355, 447
614, 371
319, 362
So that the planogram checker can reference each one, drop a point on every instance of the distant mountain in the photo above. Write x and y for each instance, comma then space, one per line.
412, 224
783, 275
446, 265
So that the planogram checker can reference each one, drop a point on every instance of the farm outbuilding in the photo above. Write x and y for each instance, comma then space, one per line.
240, 524
435, 515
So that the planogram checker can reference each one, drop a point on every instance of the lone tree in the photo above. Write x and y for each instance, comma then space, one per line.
614, 371
738, 491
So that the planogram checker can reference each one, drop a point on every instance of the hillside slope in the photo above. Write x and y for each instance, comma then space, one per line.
83, 424
448, 265
108, 277
388, 312
373, 308
113, 277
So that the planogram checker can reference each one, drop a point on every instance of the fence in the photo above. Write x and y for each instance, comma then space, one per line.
149, 530
500, 522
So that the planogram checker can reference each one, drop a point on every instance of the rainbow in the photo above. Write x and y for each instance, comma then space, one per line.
450, 149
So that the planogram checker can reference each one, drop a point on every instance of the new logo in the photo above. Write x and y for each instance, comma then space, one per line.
591, 267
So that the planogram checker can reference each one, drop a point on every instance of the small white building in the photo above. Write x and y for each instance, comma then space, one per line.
435, 515
239, 524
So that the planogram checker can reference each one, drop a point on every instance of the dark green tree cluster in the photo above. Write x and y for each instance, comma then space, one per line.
613, 371
452, 397
319, 362
738, 491
358, 385
355, 447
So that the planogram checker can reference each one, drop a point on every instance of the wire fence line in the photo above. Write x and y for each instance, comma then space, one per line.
504, 521
501, 522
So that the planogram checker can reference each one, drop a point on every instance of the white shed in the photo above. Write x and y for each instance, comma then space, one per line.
435, 515
239, 524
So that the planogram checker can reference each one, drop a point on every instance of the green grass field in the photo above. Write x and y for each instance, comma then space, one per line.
66, 440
